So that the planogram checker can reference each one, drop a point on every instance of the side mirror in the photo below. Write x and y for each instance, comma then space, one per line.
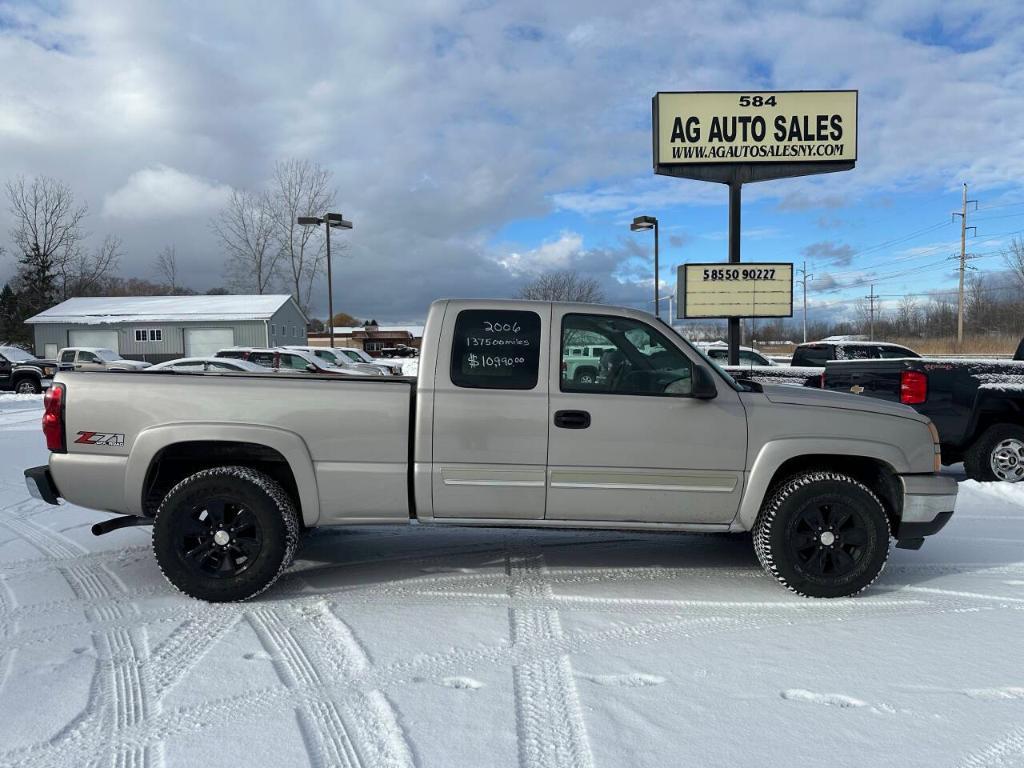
703, 384
311, 368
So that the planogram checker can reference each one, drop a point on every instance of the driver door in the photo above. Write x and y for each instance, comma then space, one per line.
634, 445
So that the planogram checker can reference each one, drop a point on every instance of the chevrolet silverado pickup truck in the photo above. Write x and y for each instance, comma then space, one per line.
230, 468
977, 405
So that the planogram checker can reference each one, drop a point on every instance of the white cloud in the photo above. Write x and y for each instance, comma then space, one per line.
551, 255
162, 192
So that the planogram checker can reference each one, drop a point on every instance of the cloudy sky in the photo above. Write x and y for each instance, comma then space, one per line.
475, 144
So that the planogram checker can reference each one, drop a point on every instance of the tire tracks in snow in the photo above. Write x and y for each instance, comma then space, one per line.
359, 730
121, 699
549, 720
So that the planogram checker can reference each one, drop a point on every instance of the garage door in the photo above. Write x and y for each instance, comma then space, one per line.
200, 342
101, 339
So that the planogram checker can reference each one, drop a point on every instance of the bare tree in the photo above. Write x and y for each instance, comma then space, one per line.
1014, 257
167, 266
84, 273
300, 188
47, 222
245, 229
564, 285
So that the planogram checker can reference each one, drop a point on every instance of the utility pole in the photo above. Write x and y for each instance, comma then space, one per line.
963, 266
871, 310
805, 276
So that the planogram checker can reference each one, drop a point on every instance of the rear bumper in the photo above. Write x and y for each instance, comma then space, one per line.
928, 503
40, 484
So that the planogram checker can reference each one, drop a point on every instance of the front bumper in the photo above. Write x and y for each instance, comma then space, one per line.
928, 503
40, 484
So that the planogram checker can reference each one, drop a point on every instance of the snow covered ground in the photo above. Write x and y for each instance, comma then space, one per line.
418, 646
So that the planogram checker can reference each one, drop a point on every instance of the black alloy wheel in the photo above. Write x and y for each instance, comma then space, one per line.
827, 539
219, 538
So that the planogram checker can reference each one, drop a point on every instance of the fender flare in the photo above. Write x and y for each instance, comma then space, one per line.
775, 453
151, 441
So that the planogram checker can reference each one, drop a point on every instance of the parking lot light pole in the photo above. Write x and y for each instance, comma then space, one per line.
333, 221
642, 223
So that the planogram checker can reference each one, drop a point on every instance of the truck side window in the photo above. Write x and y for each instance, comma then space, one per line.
496, 349
638, 360
68, 356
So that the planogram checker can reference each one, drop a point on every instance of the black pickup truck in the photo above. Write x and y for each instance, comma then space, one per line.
977, 406
23, 373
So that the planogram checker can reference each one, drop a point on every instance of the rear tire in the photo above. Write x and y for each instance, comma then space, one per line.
28, 387
823, 534
997, 455
225, 534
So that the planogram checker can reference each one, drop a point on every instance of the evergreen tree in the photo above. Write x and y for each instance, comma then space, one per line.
11, 328
37, 281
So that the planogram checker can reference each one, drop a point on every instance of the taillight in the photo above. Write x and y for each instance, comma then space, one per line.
821, 384
913, 387
53, 418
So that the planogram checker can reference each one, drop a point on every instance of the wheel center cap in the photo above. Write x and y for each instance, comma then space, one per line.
221, 538
828, 538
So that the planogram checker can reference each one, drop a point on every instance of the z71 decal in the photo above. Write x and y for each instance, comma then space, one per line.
101, 438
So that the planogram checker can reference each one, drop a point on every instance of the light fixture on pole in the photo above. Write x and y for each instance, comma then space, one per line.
643, 223
333, 221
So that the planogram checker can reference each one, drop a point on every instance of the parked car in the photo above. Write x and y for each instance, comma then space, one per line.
976, 405
817, 353
580, 363
280, 359
719, 352
360, 356
207, 365
333, 357
23, 373
95, 359
400, 350
492, 434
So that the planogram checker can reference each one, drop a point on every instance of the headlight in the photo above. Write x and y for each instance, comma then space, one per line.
49, 371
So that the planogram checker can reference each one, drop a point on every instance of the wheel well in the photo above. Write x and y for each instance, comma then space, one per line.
174, 463
1002, 411
19, 375
876, 475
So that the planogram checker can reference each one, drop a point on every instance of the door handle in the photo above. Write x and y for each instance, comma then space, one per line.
572, 419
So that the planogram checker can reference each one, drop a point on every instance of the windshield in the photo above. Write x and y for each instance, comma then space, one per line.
358, 355
107, 354
16, 355
729, 379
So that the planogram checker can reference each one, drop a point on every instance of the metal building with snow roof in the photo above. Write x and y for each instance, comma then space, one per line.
158, 328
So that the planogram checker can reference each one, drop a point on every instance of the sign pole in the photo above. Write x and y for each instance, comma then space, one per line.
735, 188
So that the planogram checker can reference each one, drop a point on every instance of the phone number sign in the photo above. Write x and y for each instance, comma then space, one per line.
734, 290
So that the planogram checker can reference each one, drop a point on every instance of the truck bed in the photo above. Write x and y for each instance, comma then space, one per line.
350, 436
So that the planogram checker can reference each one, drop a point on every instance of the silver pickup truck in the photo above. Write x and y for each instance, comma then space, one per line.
231, 468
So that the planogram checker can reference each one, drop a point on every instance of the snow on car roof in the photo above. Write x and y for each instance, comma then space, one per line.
99, 310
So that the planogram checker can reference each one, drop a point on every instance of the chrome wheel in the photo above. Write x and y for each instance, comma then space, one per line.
1007, 460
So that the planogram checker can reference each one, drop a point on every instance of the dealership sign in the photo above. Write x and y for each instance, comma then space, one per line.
734, 290
755, 127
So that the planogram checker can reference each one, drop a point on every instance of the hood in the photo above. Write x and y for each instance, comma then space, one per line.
37, 362
823, 398
137, 364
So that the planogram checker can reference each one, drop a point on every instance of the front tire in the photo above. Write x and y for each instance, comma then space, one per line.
225, 534
823, 534
998, 455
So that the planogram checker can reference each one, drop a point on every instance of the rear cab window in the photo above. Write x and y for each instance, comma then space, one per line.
812, 356
496, 349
